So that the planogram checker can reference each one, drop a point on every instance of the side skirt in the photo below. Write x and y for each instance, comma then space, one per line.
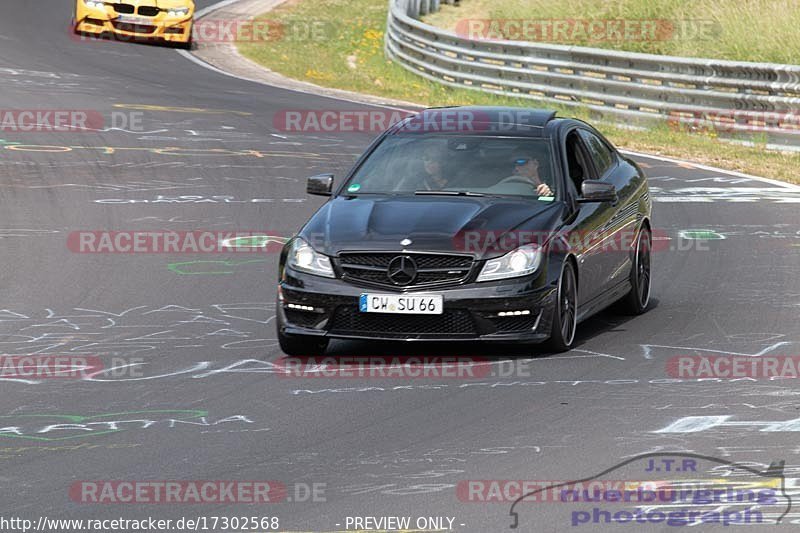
602, 301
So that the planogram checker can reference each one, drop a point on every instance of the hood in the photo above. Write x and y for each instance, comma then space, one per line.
439, 224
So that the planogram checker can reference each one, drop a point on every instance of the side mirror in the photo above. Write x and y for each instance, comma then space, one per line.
597, 191
320, 185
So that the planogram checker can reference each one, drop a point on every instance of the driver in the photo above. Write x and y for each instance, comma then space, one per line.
526, 170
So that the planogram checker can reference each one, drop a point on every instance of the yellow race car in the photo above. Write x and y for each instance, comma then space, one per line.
158, 20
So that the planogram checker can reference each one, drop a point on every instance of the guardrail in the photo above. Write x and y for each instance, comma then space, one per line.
730, 97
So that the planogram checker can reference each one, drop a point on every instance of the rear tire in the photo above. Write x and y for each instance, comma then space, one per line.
565, 311
637, 300
302, 345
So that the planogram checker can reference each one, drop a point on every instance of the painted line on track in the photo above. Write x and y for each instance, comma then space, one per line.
713, 169
213, 7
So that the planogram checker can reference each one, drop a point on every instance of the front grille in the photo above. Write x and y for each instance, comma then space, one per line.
148, 11
432, 269
423, 260
134, 28
126, 9
454, 322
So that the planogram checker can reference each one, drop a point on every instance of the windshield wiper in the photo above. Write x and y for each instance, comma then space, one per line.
449, 193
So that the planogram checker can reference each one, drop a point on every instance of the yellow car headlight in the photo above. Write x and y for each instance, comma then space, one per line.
94, 3
178, 11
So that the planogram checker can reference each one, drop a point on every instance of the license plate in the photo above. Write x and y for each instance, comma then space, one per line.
421, 304
138, 21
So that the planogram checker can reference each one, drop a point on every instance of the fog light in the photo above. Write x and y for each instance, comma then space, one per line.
299, 307
513, 313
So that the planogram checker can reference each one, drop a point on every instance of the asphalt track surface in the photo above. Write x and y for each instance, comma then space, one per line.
204, 335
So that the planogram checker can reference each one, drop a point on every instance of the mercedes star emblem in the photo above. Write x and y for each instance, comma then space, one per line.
402, 270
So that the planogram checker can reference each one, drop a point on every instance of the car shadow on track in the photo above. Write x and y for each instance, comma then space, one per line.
607, 321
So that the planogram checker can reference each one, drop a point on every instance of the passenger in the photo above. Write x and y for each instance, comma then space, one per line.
433, 178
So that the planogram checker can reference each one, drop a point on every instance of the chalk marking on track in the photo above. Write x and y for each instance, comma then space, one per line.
648, 349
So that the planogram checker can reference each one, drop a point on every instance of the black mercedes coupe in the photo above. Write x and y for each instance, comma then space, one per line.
469, 223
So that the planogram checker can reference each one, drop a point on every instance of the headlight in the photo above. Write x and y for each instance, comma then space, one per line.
520, 262
178, 11
304, 258
94, 3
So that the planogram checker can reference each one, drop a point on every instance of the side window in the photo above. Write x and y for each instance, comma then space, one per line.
598, 151
578, 167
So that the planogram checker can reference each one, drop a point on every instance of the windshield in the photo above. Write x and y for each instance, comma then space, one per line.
447, 164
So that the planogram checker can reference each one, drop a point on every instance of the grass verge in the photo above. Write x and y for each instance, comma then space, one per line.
754, 30
339, 43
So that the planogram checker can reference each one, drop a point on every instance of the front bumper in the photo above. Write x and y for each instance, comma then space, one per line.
100, 21
470, 312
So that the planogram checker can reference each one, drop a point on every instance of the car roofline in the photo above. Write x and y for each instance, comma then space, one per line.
535, 120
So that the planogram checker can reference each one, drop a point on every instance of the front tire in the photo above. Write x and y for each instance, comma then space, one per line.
636, 301
184, 46
189, 42
565, 311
